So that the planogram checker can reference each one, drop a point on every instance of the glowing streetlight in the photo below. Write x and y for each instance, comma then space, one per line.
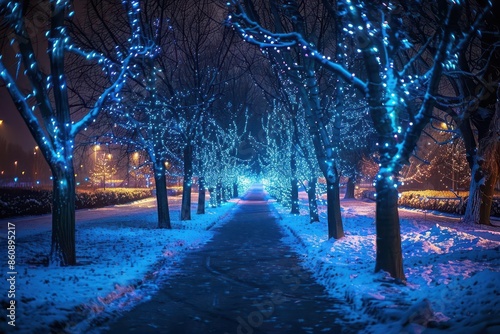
96, 148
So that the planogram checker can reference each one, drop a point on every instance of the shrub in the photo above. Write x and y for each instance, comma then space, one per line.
22, 202
443, 201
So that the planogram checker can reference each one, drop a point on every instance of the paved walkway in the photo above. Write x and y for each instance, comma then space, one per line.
244, 281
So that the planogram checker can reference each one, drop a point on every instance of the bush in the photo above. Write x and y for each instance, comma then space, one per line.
442, 201
22, 202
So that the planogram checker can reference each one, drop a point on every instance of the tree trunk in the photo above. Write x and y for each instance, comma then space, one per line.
218, 196
313, 205
62, 252
349, 190
335, 227
201, 196
488, 190
161, 195
295, 197
474, 201
213, 197
295, 185
186, 185
389, 253
235, 190
484, 177
484, 174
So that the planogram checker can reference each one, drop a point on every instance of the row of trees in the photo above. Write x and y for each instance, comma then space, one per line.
153, 77
404, 60
347, 81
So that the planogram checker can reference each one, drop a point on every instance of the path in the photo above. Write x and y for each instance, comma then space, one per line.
244, 281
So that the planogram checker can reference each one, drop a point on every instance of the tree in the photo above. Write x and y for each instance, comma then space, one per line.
296, 66
190, 72
103, 170
475, 81
218, 163
393, 71
46, 108
140, 116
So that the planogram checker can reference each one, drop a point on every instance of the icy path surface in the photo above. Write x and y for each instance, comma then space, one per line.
245, 280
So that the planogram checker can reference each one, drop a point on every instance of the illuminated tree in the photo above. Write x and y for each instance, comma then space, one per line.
475, 81
137, 169
279, 92
356, 139
103, 170
439, 153
218, 163
46, 107
191, 73
295, 65
399, 80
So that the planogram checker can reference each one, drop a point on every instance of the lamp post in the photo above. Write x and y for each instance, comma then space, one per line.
15, 173
96, 148
35, 165
136, 164
106, 169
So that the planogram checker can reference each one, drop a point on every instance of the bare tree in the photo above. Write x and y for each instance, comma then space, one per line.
389, 76
45, 107
295, 65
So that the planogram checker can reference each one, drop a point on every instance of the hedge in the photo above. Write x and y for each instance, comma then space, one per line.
436, 201
22, 202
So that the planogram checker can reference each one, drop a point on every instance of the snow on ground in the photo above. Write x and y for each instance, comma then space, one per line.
452, 270
120, 253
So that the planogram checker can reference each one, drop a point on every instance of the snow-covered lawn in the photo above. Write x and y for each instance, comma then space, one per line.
452, 270
122, 258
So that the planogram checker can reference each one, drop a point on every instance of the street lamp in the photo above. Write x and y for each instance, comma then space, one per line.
96, 148
15, 172
35, 164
